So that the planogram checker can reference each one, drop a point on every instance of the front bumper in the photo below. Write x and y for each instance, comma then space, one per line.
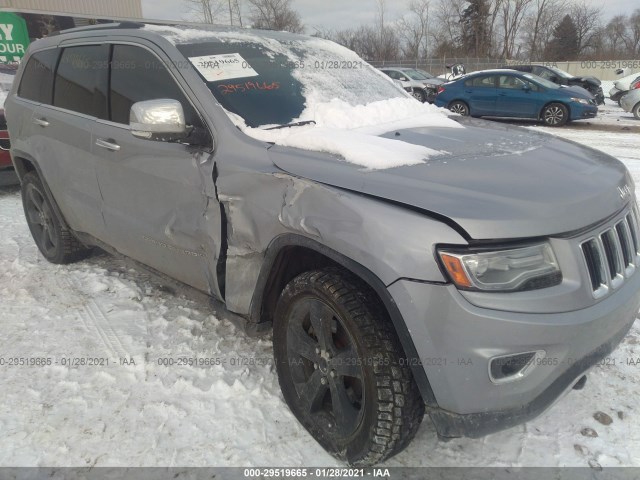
456, 340
580, 112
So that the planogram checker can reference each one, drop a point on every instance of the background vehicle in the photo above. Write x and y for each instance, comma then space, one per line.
507, 93
242, 176
7, 173
456, 70
422, 87
555, 75
630, 102
622, 86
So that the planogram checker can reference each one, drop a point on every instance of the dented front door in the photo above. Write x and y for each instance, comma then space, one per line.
159, 201
156, 207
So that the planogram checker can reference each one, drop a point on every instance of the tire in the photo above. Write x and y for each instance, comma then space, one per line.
459, 107
636, 111
53, 238
555, 115
419, 95
358, 360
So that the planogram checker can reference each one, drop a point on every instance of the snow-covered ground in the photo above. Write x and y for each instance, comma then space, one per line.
226, 414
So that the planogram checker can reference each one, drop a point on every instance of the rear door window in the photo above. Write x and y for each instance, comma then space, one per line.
138, 75
486, 81
37, 79
82, 80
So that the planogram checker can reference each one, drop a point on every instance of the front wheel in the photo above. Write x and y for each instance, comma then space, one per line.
460, 108
341, 368
636, 111
555, 115
419, 95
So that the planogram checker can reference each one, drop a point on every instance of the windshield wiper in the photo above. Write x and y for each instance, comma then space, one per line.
296, 124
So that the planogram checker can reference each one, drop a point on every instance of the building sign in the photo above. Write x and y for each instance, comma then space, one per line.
14, 38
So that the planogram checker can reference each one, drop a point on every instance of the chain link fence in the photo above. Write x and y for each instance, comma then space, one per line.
437, 66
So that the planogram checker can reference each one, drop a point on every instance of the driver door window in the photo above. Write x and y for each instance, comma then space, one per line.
138, 75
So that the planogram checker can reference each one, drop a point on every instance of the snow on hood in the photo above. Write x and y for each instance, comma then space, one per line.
352, 132
350, 108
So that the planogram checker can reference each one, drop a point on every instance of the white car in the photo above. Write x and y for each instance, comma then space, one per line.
622, 86
631, 102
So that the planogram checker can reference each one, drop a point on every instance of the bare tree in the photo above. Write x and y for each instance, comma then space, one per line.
539, 25
587, 20
414, 29
275, 15
634, 32
616, 32
512, 13
206, 11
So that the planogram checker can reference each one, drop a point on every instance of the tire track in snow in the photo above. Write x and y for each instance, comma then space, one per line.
94, 319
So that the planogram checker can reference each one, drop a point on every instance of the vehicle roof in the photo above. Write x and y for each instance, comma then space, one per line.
397, 68
174, 33
496, 70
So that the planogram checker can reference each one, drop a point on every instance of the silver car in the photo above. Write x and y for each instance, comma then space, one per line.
477, 280
631, 102
423, 86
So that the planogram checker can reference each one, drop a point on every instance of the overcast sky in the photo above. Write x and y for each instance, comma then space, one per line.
339, 14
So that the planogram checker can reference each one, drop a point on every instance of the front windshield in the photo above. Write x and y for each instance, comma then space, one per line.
415, 75
425, 74
559, 72
271, 82
541, 81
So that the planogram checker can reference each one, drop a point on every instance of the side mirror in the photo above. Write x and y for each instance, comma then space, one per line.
553, 78
526, 87
161, 120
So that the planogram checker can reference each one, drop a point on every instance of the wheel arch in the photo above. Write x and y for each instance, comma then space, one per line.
25, 164
561, 102
461, 100
290, 254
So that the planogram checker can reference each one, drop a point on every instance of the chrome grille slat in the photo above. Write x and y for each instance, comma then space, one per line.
613, 254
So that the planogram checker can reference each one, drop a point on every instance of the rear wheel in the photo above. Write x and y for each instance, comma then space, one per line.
555, 115
54, 240
636, 111
342, 370
460, 108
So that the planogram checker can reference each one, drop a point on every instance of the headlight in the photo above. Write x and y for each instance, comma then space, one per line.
583, 101
519, 269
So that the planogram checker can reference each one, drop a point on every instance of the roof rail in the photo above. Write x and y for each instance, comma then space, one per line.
101, 26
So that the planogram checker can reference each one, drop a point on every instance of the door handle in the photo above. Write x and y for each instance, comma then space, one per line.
502, 94
41, 122
114, 147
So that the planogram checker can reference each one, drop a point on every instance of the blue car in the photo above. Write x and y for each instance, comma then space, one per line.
512, 94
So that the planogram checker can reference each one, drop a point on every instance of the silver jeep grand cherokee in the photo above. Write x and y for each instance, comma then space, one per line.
478, 285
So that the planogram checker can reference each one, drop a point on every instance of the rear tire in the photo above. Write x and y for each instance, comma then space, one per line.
342, 370
555, 115
53, 238
636, 111
459, 107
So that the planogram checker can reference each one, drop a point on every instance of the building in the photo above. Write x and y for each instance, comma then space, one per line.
93, 9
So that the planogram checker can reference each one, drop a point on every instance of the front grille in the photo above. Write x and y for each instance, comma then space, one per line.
612, 256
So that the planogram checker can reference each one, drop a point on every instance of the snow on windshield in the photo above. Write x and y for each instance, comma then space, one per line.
350, 102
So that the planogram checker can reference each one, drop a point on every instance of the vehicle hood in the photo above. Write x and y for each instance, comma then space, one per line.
575, 91
495, 181
434, 82
590, 80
